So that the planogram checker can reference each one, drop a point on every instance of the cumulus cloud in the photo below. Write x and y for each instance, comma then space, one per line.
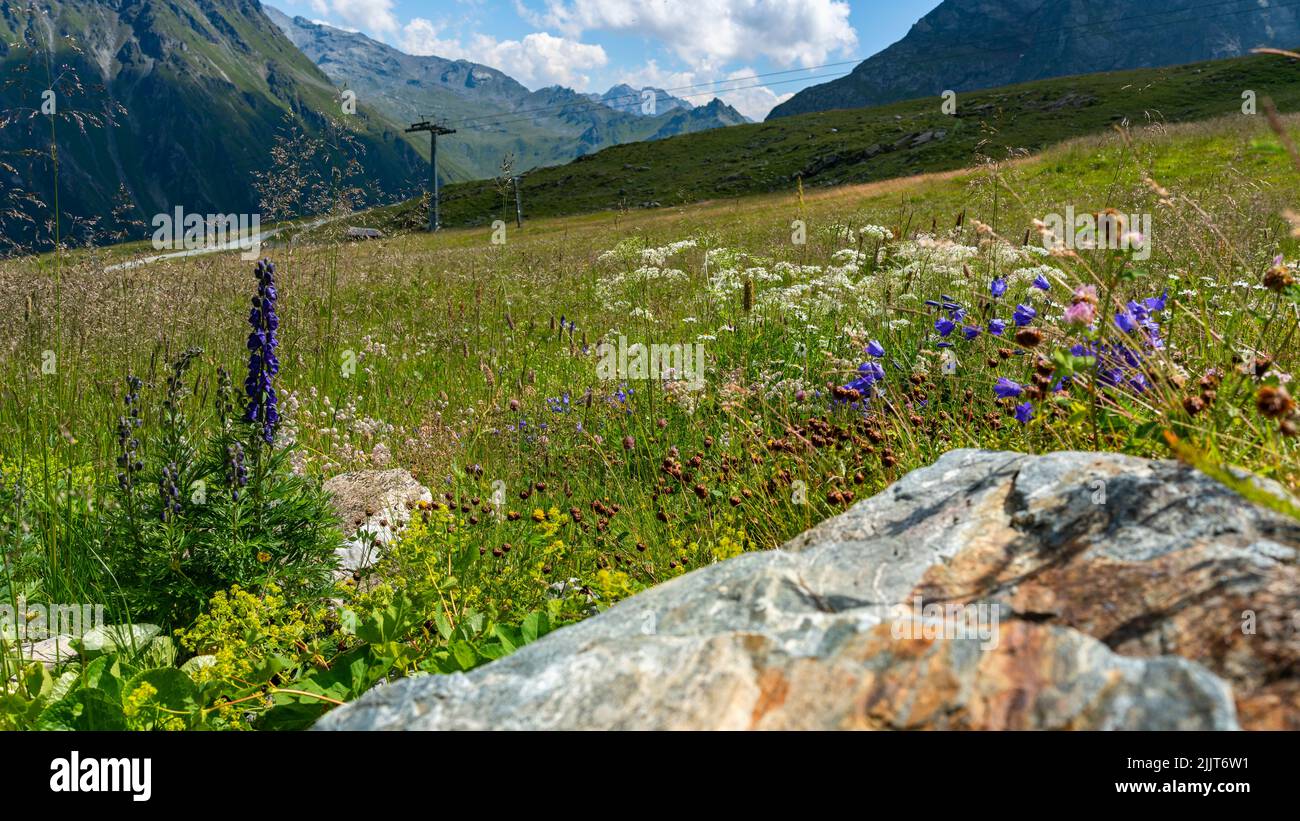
371, 15
713, 32
537, 60
421, 37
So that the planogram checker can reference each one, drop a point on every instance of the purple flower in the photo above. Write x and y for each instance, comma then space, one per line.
1041, 283
1135, 316
236, 471
871, 371
944, 325
1155, 304
971, 332
263, 364
1125, 321
1024, 315
1118, 366
998, 287
1006, 389
169, 492
875, 349
128, 460
997, 326
1024, 413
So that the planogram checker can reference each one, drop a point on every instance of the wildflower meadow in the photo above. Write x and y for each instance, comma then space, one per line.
600, 404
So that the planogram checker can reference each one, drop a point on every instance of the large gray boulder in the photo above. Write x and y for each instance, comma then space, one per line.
986, 591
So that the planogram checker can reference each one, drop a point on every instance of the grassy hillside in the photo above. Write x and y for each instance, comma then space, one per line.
178, 102
837, 147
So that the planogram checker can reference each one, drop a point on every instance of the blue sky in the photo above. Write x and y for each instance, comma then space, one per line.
702, 48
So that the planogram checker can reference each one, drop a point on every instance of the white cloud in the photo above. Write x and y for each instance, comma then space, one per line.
420, 37
745, 95
338, 26
539, 59
371, 15
739, 89
712, 32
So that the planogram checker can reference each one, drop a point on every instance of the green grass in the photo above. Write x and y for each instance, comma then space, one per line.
457, 341
767, 157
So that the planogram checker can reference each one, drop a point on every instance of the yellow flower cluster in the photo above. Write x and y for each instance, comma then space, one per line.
549, 522
136, 709
242, 629
732, 543
614, 585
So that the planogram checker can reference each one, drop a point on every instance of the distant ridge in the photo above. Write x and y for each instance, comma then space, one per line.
964, 45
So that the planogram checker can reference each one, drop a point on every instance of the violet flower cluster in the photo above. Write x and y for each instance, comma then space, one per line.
263, 364
128, 461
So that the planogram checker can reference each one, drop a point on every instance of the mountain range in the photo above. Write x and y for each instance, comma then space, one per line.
113, 111
963, 45
629, 100
179, 103
494, 116
154, 106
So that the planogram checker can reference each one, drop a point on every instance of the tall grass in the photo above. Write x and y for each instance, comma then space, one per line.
456, 342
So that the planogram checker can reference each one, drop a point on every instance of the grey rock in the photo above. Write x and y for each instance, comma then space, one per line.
373, 507
1112, 590
51, 652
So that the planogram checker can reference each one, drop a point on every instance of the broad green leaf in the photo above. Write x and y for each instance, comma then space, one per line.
83, 709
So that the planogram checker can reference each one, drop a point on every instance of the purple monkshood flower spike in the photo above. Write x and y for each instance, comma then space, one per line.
998, 287
1024, 413
1024, 315
1006, 389
263, 364
875, 349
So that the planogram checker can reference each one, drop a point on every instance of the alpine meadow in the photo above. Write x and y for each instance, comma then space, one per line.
957, 393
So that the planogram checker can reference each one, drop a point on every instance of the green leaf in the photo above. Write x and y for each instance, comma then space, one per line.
115, 638
441, 622
175, 689
107, 674
464, 654
532, 627
37, 682
510, 638
83, 709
